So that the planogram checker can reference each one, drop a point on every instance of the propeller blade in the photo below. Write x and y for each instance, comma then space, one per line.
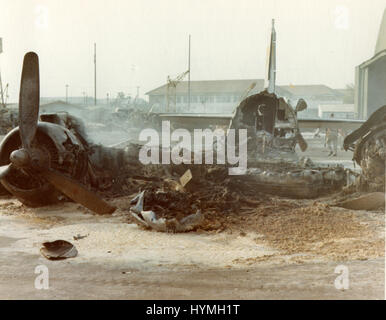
302, 143
77, 192
4, 170
29, 99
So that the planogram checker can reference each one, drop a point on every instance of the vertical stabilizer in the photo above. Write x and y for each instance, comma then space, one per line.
272, 61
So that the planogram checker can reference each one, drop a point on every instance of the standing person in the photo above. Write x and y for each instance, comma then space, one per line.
341, 137
332, 140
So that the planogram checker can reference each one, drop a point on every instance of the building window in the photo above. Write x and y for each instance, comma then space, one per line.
224, 98
203, 99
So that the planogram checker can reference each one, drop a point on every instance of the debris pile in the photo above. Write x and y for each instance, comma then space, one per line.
173, 209
168, 206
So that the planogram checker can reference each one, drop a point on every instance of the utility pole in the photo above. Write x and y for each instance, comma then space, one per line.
95, 88
137, 96
108, 98
1, 83
189, 77
66, 93
2, 92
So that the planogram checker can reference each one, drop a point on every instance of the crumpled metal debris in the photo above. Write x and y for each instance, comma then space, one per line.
149, 220
58, 250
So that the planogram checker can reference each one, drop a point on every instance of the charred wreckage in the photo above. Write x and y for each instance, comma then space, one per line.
43, 161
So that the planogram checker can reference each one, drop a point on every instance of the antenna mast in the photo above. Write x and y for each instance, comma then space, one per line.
95, 88
189, 77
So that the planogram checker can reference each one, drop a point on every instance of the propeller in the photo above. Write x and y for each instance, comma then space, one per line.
34, 159
302, 143
301, 105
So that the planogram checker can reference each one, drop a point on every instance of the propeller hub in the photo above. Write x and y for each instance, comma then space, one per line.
20, 158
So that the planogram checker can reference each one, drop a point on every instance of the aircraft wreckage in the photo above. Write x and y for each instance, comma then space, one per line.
45, 161
369, 145
41, 160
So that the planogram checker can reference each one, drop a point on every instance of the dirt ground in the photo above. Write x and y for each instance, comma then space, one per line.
274, 248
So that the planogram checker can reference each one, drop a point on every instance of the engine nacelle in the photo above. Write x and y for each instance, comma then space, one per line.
66, 154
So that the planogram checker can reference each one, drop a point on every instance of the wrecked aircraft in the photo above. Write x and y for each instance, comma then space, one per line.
369, 146
44, 160
271, 124
273, 133
273, 165
41, 160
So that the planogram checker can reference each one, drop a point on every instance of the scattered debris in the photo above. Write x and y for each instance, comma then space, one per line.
79, 237
186, 177
58, 250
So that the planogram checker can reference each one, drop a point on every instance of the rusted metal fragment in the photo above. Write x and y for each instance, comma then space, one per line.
58, 250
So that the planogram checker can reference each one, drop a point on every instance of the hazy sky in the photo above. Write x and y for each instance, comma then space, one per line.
140, 42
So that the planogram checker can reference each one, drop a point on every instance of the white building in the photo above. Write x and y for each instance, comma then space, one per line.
370, 78
223, 96
315, 96
212, 96
340, 111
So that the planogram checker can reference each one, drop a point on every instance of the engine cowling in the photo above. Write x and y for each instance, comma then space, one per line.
65, 152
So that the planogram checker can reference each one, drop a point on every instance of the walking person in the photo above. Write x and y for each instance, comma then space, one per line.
332, 140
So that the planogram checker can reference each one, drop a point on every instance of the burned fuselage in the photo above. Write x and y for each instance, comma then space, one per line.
271, 125
273, 164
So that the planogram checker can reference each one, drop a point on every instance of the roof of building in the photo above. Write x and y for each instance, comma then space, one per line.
310, 90
337, 108
345, 90
46, 103
381, 42
374, 59
55, 103
237, 86
212, 86
380, 48
60, 104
